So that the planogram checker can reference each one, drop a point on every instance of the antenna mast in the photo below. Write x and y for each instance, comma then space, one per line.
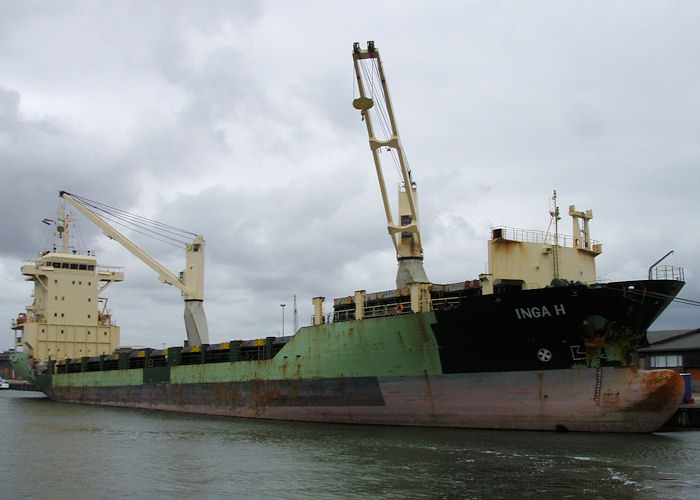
555, 246
63, 230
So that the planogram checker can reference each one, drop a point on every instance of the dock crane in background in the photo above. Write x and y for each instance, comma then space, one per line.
406, 234
191, 282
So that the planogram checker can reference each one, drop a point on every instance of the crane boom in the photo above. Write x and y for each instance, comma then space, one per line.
191, 284
405, 235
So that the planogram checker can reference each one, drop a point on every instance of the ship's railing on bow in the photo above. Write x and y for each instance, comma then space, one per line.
667, 273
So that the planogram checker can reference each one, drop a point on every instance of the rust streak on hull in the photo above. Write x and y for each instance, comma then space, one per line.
631, 400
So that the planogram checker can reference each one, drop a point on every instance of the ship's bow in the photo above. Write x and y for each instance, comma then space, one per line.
654, 398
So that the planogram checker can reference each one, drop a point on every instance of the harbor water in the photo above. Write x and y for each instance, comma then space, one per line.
57, 450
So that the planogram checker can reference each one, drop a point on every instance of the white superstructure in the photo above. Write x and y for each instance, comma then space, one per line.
533, 259
68, 318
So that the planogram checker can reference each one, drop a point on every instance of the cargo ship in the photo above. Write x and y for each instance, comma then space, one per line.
534, 343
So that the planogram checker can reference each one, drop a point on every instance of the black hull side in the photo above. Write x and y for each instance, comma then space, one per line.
551, 328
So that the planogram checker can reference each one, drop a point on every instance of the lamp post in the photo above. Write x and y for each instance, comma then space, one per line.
282, 306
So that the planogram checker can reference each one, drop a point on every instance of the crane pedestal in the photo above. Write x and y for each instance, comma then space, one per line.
196, 323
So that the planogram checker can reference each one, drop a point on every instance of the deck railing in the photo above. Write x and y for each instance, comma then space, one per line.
532, 236
392, 309
667, 273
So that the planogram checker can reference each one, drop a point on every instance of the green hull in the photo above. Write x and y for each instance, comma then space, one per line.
391, 346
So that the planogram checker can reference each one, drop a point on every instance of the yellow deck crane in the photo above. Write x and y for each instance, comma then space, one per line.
191, 282
374, 100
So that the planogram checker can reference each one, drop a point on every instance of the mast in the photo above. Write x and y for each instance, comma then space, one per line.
555, 246
296, 321
405, 235
63, 230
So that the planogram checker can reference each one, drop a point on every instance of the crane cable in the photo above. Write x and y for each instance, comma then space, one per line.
376, 92
167, 234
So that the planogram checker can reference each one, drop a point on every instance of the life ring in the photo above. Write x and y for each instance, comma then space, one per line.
399, 308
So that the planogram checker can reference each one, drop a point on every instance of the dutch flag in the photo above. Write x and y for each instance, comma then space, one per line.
48, 222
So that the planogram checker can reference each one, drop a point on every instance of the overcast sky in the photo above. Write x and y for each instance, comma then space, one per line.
235, 120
